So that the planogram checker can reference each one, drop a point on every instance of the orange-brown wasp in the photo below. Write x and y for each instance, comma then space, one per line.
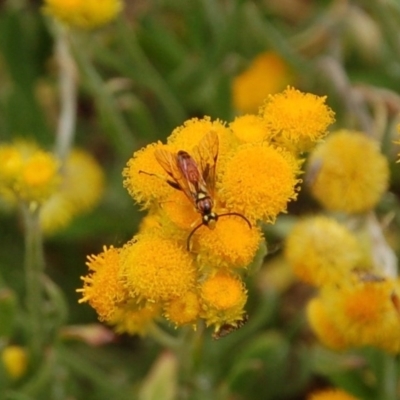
195, 176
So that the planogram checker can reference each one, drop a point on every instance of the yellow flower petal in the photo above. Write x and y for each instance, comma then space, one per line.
145, 179
103, 288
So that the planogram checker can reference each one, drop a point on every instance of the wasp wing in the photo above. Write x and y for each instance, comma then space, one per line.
168, 161
206, 155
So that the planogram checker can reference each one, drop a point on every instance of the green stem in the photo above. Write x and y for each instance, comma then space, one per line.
189, 350
388, 378
34, 268
68, 94
163, 338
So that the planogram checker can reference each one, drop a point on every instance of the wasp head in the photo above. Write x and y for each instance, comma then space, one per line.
210, 219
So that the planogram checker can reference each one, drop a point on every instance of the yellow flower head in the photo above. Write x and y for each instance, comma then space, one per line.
27, 173
231, 244
103, 288
323, 326
183, 310
268, 73
145, 179
367, 313
38, 178
249, 128
259, 180
348, 173
82, 185
15, 360
321, 251
135, 320
10, 165
156, 269
223, 297
331, 394
296, 120
85, 14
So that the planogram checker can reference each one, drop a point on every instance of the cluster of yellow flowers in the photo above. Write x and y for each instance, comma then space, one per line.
35, 177
84, 14
247, 174
357, 304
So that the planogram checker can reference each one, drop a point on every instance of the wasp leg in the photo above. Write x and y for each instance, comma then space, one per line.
173, 184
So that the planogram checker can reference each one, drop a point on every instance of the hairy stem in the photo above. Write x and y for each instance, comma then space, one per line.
34, 268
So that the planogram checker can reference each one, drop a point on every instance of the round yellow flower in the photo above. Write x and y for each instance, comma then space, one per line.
156, 269
249, 128
223, 297
259, 180
268, 73
232, 244
348, 173
15, 360
85, 14
27, 173
322, 251
38, 178
296, 120
103, 288
183, 310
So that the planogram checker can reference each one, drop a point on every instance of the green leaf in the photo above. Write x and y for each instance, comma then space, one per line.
265, 366
161, 382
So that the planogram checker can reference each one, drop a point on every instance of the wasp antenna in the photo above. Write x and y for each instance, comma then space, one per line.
191, 234
238, 215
